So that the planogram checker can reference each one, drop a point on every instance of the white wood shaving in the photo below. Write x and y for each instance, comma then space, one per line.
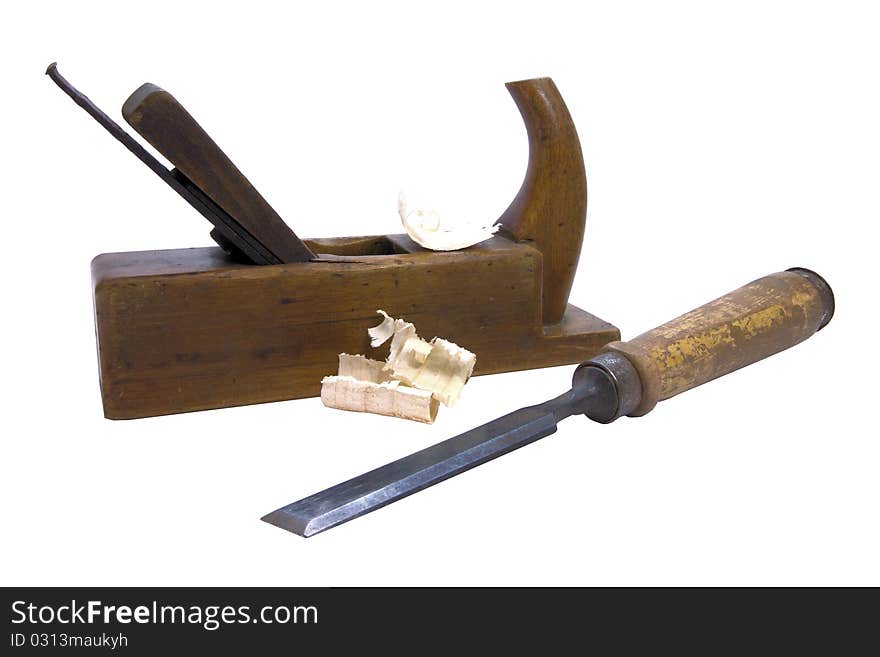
415, 378
427, 229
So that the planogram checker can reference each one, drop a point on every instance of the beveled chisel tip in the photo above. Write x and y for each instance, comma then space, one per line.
289, 521
394, 481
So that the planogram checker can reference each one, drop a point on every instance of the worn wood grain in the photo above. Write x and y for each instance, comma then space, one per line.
550, 209
751, 323
177, 332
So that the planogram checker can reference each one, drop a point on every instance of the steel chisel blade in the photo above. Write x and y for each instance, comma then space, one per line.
417, 471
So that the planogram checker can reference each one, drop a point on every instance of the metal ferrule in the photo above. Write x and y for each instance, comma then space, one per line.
615, 386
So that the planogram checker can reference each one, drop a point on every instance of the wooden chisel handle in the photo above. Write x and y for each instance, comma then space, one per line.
171, 130
757, 320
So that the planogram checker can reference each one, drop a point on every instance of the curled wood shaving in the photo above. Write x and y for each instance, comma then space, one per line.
363, 369
427, 229
413, 380
379, 334
387, 398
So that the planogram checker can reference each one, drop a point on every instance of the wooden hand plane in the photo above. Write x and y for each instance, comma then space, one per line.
263, 316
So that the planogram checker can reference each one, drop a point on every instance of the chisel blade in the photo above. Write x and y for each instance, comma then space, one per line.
391, 482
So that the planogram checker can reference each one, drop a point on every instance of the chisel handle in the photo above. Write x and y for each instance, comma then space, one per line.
757, 320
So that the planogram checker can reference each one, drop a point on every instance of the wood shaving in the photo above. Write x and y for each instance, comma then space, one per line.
415, 378
427, 229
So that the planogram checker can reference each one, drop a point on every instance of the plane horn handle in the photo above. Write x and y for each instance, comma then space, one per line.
550, 209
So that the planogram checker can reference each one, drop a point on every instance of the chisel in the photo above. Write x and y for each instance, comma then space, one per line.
626, 378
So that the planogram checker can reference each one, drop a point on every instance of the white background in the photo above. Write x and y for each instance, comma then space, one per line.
721, 144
